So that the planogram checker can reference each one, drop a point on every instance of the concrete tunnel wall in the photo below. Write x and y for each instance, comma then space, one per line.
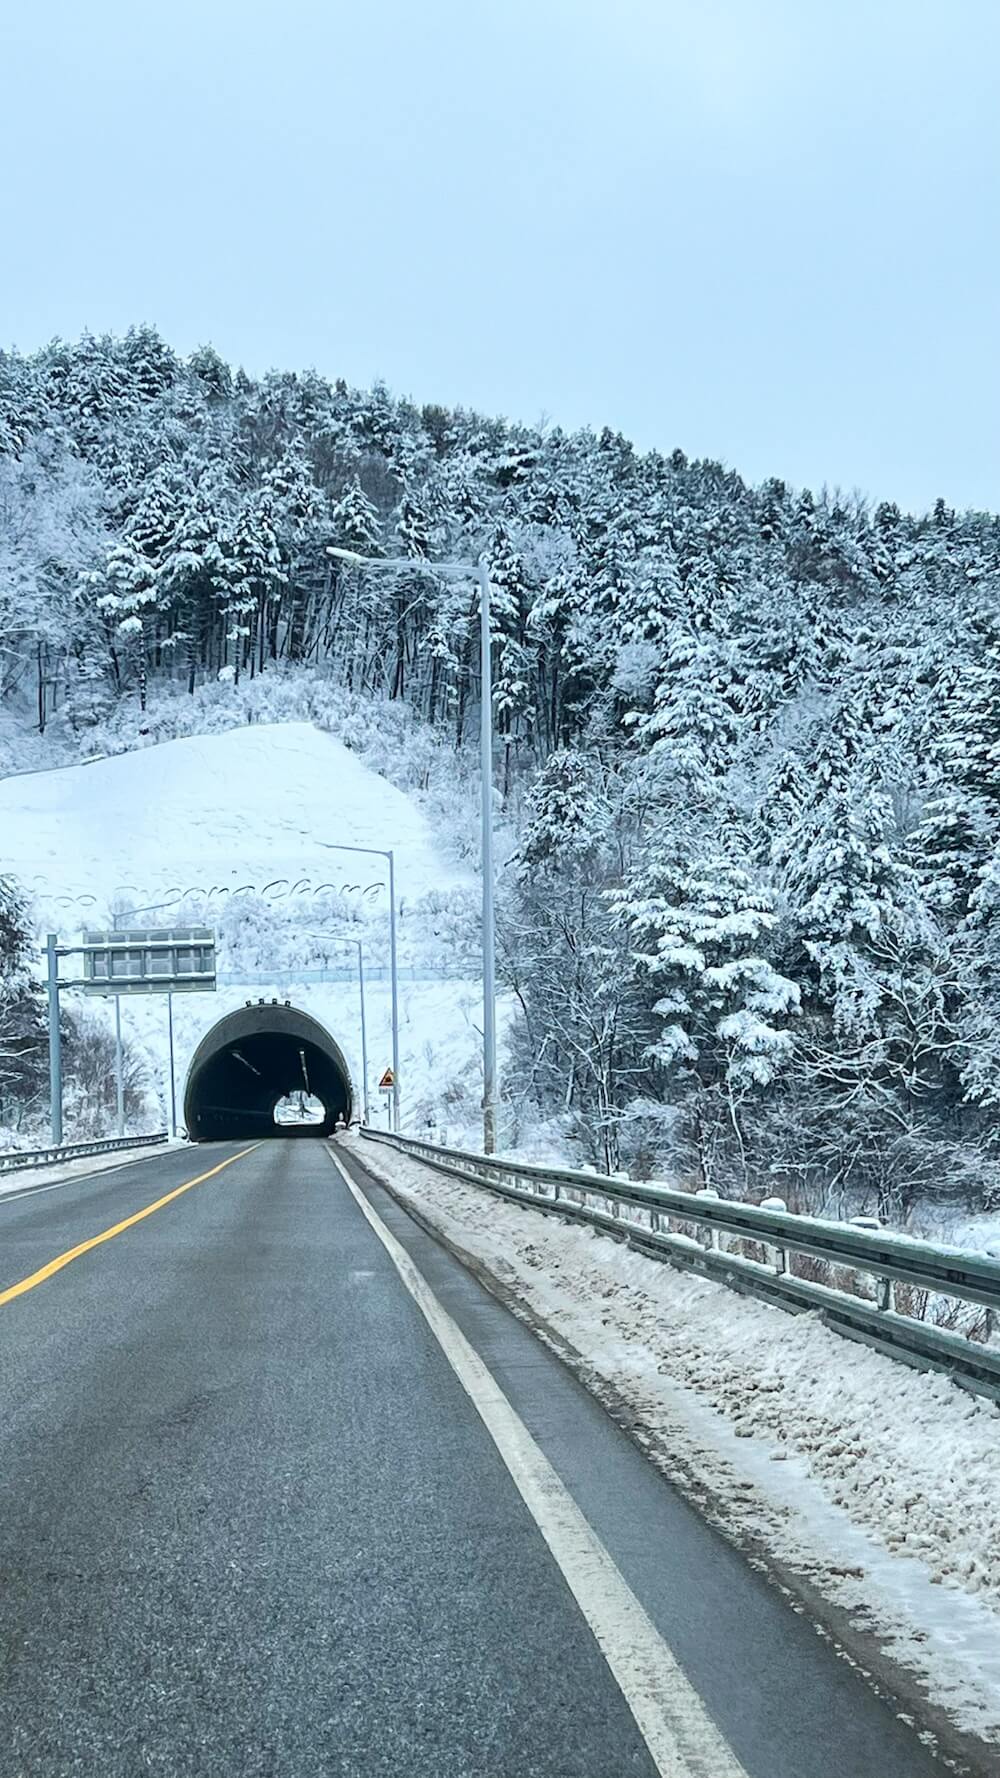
250, 1060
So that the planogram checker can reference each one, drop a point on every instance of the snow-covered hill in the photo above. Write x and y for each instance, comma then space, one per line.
241, 829
248, 806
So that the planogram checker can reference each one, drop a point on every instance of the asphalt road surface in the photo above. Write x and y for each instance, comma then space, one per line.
261, 1519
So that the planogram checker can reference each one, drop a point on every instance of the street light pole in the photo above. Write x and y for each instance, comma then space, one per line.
394, 974
335, 939
382, 852
480, 570
489, 923
364, 1035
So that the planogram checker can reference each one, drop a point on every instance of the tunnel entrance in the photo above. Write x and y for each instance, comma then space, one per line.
253, 1059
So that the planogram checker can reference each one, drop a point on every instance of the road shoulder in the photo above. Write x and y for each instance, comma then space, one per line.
700, 1456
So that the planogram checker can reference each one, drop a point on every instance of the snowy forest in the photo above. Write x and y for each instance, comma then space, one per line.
748, 749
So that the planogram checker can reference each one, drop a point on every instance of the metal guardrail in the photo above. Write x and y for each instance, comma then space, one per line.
641, 1214
73, 1151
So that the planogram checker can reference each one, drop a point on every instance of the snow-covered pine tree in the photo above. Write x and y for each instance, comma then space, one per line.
700, 931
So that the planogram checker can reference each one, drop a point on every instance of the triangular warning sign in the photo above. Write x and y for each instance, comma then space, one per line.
388, 1080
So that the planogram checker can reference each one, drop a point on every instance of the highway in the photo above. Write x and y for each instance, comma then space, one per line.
287, 1493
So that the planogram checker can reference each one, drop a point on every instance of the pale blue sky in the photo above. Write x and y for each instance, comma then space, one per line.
764, 230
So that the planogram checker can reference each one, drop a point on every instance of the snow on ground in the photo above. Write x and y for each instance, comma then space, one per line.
947, 1223
874, 1483
250, 805
264, 805
41, 1178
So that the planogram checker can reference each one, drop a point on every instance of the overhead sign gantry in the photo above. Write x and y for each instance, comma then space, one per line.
173, 960
159, 960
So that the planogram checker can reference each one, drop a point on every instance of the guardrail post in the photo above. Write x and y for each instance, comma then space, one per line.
616, 1208
992, 1248
713, 1234
887, 1294
780, 1253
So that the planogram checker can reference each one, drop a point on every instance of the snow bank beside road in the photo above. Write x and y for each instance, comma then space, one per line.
876, 1484
25, 1179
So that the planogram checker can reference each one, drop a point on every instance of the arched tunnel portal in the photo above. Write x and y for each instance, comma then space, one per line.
253, 1058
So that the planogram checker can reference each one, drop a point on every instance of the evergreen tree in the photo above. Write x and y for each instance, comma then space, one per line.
701, 931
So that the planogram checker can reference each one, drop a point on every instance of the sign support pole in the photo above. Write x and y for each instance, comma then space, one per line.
55, 1040
173, 1078
119, 1068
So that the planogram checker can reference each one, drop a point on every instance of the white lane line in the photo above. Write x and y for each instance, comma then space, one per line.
683, 1741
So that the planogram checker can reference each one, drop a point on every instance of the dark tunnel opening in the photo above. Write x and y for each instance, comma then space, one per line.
250, 1061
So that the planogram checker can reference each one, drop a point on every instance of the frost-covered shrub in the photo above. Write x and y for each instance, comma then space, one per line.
89, 1086
23, 1046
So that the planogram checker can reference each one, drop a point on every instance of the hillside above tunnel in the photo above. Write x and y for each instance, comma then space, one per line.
250, 805
252, 832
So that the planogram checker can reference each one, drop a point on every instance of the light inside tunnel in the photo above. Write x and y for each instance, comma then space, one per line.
254, 1059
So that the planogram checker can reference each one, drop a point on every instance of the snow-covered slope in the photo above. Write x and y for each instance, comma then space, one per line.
246, 806
191, 822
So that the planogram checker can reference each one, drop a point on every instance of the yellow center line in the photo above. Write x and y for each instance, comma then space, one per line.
64, 1259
